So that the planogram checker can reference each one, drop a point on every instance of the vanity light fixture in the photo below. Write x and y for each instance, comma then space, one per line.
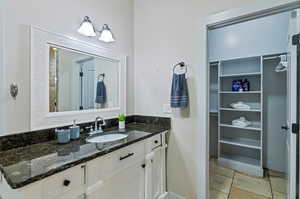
106, 35
87, 29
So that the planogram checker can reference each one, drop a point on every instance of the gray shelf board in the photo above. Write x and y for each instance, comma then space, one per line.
241, 110
244, 92
251, 127
242, 159
214, 113
241, 74
242, 142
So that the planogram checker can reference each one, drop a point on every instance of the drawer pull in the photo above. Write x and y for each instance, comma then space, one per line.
126, 156
66, 183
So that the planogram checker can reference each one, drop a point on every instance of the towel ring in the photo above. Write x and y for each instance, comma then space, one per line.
181, 65
101, 75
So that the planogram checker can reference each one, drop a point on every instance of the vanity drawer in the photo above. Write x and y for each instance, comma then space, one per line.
156, 141
63, 182
104, 167
121, 159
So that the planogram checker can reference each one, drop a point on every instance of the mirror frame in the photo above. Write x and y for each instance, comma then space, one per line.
40, 117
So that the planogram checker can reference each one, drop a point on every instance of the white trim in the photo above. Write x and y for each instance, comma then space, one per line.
254, 10
292, 107
3, 79
41, 118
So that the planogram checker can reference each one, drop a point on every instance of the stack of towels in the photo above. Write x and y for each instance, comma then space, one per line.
240, 105
241, 122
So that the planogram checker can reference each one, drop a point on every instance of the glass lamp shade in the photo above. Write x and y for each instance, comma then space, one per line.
106, 34
86, 28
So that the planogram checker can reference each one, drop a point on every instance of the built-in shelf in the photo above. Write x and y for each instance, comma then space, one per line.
242, 142
241, 159
243, 92
241, 74
250, 127
241, 110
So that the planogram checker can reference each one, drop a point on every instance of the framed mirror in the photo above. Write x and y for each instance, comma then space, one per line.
71, 79
79, 81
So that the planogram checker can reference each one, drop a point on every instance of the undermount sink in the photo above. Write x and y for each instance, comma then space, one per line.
112, 137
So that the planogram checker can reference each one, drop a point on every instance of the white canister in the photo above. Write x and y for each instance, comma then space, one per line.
121, 124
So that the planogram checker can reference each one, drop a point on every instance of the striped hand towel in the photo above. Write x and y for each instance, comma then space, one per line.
179, 92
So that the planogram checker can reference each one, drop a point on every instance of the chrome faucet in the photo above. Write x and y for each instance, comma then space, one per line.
99, 129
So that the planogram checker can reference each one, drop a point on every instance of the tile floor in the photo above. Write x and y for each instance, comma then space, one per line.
229, 184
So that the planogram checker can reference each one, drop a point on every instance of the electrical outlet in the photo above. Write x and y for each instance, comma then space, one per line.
167, 108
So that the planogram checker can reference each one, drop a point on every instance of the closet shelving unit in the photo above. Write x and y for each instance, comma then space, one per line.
240, 148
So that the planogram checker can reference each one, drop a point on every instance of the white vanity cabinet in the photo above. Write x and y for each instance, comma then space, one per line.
68, 184
126, 184
120, 174
136, 171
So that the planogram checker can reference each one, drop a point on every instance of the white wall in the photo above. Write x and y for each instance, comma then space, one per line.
61, 17
275, 101
263, 36
167, 32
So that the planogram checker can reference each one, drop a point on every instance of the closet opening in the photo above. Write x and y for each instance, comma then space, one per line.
249, 108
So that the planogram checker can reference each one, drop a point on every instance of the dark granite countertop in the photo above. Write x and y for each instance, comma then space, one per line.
24, 165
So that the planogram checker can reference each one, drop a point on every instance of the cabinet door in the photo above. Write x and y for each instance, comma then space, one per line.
157, 175
128, 183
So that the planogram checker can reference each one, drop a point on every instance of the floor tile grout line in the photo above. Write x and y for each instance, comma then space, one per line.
269, 180
231, 185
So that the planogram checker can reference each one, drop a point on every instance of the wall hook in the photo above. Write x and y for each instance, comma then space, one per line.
14, 90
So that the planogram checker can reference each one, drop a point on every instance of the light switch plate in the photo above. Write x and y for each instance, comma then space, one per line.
167, 108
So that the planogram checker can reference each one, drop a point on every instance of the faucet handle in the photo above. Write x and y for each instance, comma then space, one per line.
89, 128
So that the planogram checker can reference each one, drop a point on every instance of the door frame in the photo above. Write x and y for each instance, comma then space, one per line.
255, 10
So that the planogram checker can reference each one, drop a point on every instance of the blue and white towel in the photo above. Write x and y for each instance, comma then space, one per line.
179, 92
100, 93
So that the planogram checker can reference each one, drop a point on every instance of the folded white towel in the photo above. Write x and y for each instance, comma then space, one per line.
240, 105
241, 122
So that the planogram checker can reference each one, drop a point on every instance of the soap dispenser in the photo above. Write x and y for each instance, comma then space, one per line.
74, 131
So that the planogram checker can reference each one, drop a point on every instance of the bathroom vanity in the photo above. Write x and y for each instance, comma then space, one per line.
133, 168
74, 80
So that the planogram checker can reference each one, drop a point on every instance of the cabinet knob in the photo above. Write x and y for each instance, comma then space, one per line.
143, 165
66, 183
156, 141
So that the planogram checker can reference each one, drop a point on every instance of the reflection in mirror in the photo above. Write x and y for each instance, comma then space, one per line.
78, 81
